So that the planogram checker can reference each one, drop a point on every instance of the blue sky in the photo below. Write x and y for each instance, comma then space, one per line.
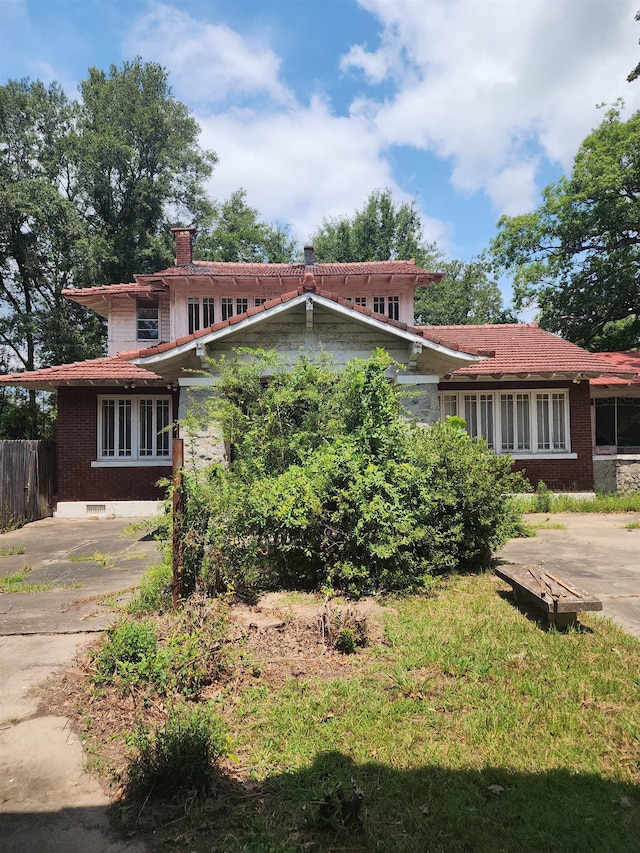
468, 106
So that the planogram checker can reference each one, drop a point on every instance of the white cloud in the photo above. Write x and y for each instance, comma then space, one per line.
301, 165
487, 83
208, 62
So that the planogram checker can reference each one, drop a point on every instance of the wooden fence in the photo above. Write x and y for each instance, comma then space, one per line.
27, 481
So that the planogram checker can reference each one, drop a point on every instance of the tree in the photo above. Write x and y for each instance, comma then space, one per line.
139, 165
234, 232
578, 255
87, 191
383, 230
467, 295
40, 229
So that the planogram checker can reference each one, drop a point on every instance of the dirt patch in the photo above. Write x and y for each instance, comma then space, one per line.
279, 638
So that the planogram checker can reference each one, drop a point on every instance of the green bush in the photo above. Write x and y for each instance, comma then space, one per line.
178, 756
330, 487
543, 499
155, 591
129, 650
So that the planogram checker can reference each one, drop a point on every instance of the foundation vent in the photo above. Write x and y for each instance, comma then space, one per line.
96, 509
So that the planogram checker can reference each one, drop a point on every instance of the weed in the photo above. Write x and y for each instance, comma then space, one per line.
16, 582
633, 525
154, 592
543, 499
12, 550
104, 560
180, 755
344, 628
128, 652
547, 524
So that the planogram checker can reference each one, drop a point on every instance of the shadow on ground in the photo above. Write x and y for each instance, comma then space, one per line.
425, 809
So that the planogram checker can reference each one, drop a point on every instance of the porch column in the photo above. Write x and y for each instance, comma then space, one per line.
203, 443
423, 405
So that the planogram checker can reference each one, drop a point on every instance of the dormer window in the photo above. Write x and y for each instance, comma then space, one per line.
201, 312
147, 320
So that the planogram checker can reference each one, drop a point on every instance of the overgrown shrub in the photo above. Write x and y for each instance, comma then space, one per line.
190, 652
130, 646
330, 487
180, 755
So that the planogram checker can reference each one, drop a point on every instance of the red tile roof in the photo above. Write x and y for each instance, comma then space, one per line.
245, 270
109, 370
626, 361
288, 297
84, 294
521, 349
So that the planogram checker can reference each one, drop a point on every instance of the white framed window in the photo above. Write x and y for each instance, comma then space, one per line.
259, 300
360, 300
200, 312
134, 429
242, 305
378, 304
516, 422
226, 304
147, 320
393, 307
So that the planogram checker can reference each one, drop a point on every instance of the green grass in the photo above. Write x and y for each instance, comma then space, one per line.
16, 582
466, 693
633, 525
566, 503
12, 550
546, 524
104, 560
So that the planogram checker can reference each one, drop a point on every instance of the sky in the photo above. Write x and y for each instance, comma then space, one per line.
468, 107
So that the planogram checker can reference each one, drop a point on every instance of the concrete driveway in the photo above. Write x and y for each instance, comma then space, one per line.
596, 553
47, 802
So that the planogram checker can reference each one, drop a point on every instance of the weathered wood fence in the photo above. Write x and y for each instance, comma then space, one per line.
27, 481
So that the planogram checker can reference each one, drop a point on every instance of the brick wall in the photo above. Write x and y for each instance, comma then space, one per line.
77, 448
558, 474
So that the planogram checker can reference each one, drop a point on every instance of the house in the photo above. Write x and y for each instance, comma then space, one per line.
525, 390
615, 418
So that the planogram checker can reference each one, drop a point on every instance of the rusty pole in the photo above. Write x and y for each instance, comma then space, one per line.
178, 518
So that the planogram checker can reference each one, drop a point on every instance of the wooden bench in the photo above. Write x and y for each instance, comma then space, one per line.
560, 600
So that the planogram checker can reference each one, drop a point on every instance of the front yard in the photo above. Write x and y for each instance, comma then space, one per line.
464, 725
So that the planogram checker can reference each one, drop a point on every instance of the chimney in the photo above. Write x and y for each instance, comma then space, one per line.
308, 256
184, 238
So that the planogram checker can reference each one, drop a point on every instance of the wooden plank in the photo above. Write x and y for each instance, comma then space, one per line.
537, 586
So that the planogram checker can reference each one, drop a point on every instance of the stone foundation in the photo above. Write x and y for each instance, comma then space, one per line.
615, 474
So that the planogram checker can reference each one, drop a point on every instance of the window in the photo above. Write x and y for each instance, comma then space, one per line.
360, 300
147, 320
393, 309
197, 308
134, 428
378, 304
513, 421
242, 306
618, 423
259, 300
227, 307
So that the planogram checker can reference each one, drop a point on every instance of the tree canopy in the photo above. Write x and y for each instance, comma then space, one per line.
234, 232
577, 257
467, 295
384, 230
87, 192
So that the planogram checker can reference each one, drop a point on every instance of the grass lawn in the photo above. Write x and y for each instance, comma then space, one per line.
466, 694
467, 727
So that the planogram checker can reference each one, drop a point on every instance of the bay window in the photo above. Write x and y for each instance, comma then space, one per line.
133, 429
513, 421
